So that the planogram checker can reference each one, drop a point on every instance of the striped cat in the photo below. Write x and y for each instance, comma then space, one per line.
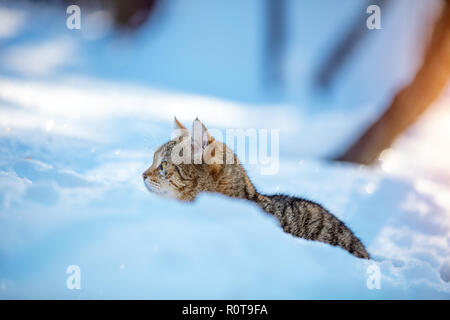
186, 166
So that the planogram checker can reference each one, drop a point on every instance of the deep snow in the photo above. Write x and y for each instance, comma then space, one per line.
78, 128
71, 200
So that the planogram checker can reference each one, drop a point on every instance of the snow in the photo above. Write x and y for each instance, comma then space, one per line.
67, 200
73, 147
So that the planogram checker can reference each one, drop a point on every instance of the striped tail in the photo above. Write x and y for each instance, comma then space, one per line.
309, 220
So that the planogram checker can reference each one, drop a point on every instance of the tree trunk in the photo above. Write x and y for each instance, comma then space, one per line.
411, 101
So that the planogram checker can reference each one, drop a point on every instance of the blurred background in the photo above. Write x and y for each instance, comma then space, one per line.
364, 124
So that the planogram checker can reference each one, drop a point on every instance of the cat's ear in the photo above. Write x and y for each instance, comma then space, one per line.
177, 124
179, 130
211, 152
207, 136
200, 140
200, 135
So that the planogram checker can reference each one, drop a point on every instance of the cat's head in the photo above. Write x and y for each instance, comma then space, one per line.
191, 162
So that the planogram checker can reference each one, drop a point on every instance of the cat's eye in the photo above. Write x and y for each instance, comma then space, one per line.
164, 165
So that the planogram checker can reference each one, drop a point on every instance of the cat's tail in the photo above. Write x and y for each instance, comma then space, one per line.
309, 220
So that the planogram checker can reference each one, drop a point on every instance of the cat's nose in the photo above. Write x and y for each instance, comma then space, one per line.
144, 176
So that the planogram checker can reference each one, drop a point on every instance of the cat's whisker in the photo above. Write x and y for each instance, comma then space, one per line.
151, 185
156, 186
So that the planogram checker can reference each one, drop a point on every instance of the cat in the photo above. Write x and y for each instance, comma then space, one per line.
206, 167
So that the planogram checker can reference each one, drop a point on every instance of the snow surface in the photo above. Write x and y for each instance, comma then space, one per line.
74, 196
73, 145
